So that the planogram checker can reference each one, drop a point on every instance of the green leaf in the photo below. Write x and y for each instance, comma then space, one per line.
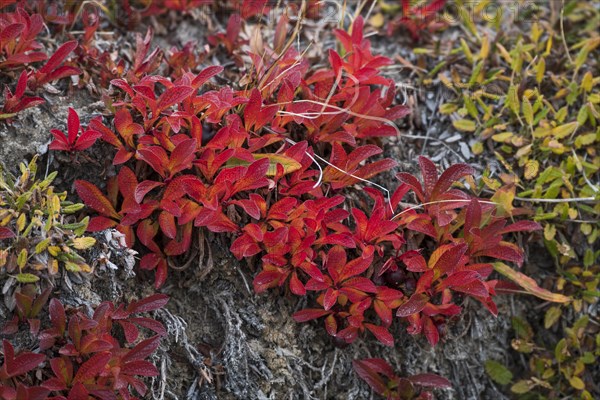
498, 372
561, 352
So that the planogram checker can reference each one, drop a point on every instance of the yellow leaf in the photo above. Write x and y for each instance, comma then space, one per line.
485, 48
3, 257
577, 383
464, 125
529, 284
377, 20
53, 266
22, 259
551, 316
54, 250
540, 70
587, 83
83, 243
503, 198
532, 168
21, 221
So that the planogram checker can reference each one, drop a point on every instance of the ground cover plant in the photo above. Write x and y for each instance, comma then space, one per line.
261, 139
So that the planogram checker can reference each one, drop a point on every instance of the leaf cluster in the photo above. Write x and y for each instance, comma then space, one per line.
39, 232
82, 356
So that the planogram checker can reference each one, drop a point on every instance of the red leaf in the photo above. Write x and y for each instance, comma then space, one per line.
143, 188
98, 224
382, 334
57, 315
58, 57
143, 349
93, 198
429, 173
19, 365
151, 324
139, 367
205, 75
309, 314
173, 96
150, 303
521, 226
86, 140
92, 367
414, 305
369, 375
63, 369
156, 157
430, 380
6, 233
449, 176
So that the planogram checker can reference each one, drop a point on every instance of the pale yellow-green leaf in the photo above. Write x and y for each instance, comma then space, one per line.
512, 99
527, 111
549, 232
565, 130
72, 267
477, 148
73, 208
42, 246
22, 258
522, 387
573, 213
582, 115
529, 284
83, 243
448, 108
585, 140
503, 137
27, 278
83, 224
561, 114
551, 317
464, 125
